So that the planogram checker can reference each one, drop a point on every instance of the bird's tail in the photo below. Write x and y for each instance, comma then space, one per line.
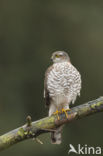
56, 136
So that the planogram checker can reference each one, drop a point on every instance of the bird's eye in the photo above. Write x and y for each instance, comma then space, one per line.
57, 56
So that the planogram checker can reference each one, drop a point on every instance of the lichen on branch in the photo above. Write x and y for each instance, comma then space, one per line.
48, 124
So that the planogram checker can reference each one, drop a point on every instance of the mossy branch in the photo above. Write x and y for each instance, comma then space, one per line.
48, 124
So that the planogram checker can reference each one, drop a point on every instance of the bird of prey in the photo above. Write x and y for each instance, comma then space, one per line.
62, 85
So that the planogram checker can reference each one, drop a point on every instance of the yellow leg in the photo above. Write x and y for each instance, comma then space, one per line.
65, 111
57, 113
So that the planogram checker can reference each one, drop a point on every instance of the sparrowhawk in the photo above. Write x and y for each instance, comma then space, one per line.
62, 85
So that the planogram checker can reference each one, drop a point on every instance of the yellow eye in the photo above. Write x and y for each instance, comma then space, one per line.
57, 56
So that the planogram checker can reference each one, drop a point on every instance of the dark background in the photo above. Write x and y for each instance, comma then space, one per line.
30, 30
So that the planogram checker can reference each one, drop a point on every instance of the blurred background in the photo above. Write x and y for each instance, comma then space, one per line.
30, 30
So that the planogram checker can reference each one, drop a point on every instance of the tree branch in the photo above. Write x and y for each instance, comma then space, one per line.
48, 124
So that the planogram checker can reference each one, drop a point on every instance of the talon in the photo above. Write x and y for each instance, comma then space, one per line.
57, 113
65, 111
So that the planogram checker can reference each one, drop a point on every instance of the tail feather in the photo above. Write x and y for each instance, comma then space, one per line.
56, 136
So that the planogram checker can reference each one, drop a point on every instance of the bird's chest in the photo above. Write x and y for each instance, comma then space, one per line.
57, 80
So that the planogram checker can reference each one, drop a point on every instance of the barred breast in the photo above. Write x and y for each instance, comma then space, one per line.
64, 79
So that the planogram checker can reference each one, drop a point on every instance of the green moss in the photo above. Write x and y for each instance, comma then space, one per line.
46, 123
96, 105
83, 111
21, 132
26, 133
6, 139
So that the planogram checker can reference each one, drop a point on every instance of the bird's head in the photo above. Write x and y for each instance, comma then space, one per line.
60, 56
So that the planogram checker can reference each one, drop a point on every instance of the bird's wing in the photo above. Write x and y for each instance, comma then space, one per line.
46, 91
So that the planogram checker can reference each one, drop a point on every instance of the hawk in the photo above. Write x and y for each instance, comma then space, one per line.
62, 85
